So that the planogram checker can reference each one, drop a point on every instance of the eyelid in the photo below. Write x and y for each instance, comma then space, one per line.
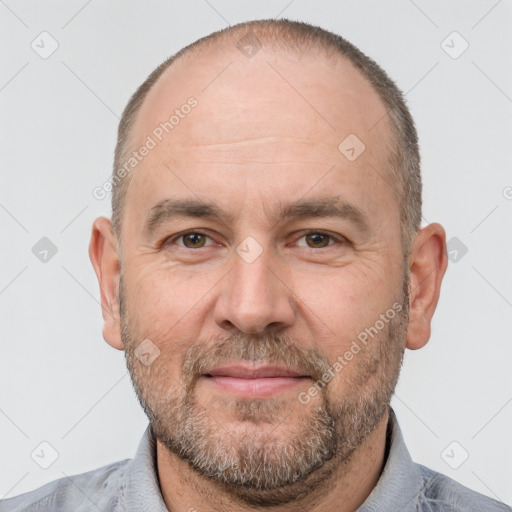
335, 237
174, 238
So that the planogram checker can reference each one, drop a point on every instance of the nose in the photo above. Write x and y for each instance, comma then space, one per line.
255, 297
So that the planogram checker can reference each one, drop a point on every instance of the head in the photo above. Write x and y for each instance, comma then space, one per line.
271, 223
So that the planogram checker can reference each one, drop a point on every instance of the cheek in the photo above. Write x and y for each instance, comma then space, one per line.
350, 300
167, 308
352, 309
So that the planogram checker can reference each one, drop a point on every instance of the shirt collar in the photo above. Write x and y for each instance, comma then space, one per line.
142, 491
401, 480
397, 488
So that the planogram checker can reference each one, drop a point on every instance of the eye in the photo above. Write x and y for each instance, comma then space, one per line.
190, 240
197, 240
318, 239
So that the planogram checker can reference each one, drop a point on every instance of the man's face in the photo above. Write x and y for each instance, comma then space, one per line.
250, 293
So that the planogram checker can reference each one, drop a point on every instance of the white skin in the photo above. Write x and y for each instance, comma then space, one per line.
252, 144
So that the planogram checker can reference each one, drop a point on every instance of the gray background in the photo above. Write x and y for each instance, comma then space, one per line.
61, 383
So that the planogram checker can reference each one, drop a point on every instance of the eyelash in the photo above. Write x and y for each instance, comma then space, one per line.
174, 238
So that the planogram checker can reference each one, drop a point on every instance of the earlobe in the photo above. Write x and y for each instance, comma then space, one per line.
427, 264
103, 253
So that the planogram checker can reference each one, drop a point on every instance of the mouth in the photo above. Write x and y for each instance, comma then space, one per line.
246, 381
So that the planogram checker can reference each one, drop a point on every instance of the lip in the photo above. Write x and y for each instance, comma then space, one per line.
242, 371
254, 382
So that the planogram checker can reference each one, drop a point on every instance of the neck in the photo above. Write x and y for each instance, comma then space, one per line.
344, 490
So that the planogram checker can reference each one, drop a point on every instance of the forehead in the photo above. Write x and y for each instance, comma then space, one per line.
273, 122
273, 93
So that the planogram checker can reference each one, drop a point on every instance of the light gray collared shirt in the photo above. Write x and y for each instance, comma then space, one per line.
133, 485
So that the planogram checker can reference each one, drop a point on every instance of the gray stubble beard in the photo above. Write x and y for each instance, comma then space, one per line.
264, 469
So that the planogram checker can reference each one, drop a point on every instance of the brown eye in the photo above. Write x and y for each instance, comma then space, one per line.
317, 240
193, 240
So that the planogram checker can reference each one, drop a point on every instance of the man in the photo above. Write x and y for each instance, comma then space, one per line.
264, 272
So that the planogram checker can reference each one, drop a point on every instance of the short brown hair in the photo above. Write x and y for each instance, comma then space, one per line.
403, 163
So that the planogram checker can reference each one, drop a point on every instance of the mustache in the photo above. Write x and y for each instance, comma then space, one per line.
201, 358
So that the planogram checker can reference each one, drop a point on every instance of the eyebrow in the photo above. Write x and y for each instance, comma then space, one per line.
321, 207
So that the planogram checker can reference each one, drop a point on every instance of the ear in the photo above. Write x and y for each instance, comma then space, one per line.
427, 264
104, 258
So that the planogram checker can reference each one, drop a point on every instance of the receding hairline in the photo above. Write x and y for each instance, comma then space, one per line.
223, 42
